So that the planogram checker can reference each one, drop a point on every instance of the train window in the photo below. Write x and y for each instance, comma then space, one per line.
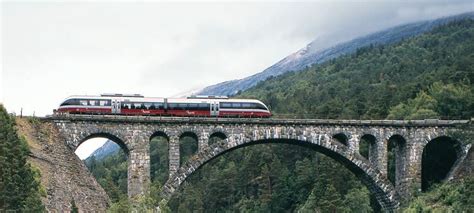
104, 102
204, 106
70, 102
158, 105
226, 105
261, 106
92, 102
137, 105
183, 106
193, 106
83, 102
172, 106
236, 105
247, 105
126, 105
147, 105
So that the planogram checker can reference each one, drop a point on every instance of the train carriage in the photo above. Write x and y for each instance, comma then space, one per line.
199, 106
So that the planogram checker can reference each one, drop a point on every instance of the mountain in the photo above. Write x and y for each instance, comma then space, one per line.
108, 148
311, 54
426, 76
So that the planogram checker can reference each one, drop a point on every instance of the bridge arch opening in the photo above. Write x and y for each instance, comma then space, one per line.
341, 138
396, 154
216, 137
100, 152
379, 188
159, 157
438, 158
188, 146
367, 146
107, 136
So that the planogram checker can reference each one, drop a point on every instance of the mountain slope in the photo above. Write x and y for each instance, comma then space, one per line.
433, 71
108, 148
313, 55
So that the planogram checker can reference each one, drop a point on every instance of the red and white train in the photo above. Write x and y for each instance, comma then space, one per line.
204, 106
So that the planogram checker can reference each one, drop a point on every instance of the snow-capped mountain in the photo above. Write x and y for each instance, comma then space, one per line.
108, 148
311, 54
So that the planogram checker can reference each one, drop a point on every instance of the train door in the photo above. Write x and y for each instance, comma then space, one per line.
215, 108
115, 106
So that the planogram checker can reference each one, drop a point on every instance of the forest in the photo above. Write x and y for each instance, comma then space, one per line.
427, 76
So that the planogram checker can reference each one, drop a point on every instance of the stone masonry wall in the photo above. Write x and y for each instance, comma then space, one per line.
134, 134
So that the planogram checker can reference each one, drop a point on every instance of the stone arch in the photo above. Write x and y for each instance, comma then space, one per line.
216, 134
439, 157
117, 139
102, 134
372, 178
341, 137
189, 134
159, 133
188, 131
368, 143
396, 159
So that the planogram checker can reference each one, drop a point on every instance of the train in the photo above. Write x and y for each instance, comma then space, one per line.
136, 104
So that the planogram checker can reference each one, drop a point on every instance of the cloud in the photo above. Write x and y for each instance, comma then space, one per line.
52, 50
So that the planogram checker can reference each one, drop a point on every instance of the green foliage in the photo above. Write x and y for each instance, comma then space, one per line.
120, 206
111, 173
159, 153
164, 207
445, 101
74, 208
448, 197
357, 200
20, 188
187, 147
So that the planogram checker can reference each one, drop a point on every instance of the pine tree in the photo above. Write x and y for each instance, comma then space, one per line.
19, 189
311, 204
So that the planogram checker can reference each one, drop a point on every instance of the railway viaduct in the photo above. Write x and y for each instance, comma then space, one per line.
338, 139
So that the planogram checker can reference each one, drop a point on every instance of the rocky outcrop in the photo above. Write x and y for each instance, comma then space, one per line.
465, 168
64, 176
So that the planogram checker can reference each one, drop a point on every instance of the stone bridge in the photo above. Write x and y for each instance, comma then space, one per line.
338, 139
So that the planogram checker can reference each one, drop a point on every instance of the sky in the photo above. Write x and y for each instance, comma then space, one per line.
51, 50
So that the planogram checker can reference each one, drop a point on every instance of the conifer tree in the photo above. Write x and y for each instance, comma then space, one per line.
19, 189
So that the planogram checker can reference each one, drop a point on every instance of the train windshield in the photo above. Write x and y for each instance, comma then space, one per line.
86, 102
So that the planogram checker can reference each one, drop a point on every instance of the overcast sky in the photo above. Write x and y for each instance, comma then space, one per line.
51, 50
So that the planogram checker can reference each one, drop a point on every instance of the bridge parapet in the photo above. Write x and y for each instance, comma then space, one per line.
158, 119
